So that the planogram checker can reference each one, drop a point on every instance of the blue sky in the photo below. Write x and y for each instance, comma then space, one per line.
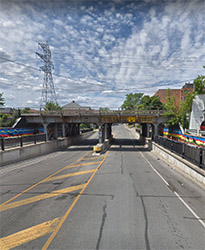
102, 49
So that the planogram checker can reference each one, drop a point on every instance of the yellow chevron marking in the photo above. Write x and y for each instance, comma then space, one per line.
29, 234
69, 175
83, 164
40, 197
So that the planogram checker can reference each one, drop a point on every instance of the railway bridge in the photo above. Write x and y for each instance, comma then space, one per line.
67, 122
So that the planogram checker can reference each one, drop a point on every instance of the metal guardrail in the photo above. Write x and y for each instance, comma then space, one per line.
194, 154
20, 141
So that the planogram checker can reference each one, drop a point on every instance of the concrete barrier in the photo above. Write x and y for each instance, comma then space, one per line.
184, 166
17, 154
29, 151
101, 147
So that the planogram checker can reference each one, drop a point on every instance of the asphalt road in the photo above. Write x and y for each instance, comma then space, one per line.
127, 198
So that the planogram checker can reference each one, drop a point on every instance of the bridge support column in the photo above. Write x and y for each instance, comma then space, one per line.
105, 131
155, 128
144, 129
109, 131
45, 130
77, 128
55, 131
101, 134
63, 129
148, 129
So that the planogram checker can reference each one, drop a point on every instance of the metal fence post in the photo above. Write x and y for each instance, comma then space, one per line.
172, 146
34, 139
2, 144
200, 158
183, 150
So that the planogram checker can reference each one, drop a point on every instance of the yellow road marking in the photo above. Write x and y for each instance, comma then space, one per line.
42, 181
29, 234
83, 164
95, 157
52, 236
69, 175
40, 197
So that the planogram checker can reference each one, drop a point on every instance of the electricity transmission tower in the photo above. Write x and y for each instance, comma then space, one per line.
48, 91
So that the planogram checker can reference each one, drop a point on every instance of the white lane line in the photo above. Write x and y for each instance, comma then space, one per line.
155, 170
177, 195
185, 204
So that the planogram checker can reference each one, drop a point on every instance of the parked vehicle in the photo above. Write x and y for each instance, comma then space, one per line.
202, 127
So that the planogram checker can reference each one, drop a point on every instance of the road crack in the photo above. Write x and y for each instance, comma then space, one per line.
145, 215
101, 226
121, 163
146, 224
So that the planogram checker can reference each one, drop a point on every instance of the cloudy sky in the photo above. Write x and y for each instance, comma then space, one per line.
101, 50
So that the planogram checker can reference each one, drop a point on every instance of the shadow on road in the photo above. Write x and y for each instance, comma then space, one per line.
128, 145
86, 145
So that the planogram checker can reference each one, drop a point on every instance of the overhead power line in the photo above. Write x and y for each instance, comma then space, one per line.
67, 78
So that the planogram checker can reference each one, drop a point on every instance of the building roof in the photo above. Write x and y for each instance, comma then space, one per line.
74, 105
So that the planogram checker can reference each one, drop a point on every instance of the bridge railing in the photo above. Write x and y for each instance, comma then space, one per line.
194, 154
77, 112
20, 141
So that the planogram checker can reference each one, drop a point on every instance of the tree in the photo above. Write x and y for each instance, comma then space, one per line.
25, 110
104, 110
172, 110
199, 85
52, 106
150, 103
142, 102
132, 101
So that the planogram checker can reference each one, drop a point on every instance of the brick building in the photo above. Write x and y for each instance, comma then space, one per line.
179, 94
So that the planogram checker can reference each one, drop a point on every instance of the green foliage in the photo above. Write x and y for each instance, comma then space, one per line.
185, 110
172, 111
84, 125
2, 102
140, 101
150, 103
52, 106
178, 114
132, 101
199, 85
25, 110
7, 120
104, 109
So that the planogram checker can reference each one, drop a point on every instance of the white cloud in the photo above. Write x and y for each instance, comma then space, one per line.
103, 52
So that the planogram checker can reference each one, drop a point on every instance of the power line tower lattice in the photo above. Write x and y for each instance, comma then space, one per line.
48, 91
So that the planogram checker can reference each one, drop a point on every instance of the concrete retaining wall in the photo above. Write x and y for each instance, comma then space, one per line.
17, 154
190, 170
29, 151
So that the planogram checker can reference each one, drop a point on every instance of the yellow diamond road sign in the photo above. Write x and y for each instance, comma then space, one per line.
131, 119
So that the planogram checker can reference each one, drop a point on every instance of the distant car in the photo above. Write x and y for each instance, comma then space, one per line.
202, 127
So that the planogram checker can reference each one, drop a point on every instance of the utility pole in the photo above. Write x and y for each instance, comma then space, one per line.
48, 92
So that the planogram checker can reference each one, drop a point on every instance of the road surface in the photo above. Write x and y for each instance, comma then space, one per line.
127, 198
